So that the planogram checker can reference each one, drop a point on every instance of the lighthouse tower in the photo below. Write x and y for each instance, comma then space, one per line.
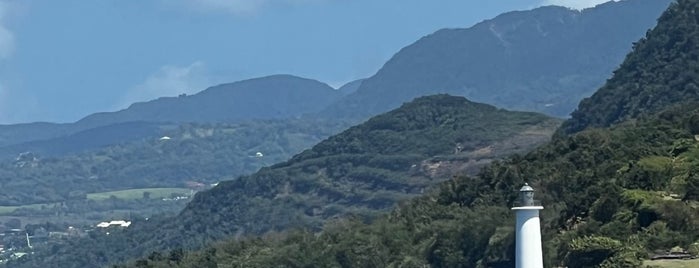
528, 230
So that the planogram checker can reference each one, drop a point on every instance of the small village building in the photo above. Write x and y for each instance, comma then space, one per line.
105, 224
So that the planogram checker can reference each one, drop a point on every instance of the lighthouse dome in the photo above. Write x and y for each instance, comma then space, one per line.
526, 188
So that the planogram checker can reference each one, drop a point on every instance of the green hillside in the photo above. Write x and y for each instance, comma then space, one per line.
612, 195
362, 171
366, 168
662, 71
606, 195
205, 153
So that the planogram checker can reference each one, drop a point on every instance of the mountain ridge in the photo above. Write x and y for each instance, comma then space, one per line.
225, 103
519, 60
606, 32
284, 87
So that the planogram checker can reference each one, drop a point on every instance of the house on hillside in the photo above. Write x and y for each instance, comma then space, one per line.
120, 223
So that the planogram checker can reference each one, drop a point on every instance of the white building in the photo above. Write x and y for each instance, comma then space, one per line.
528, 252
105, 224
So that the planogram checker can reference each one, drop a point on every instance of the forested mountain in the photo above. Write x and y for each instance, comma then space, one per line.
271, 97
363, 170
612, 195
545, 60
663, 70
366, 168
205, 153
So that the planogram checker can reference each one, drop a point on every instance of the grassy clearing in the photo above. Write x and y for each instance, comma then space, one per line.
10, 209
138, 193
133, 194
6, 209
673, 263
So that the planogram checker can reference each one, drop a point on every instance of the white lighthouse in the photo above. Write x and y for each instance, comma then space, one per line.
528, 253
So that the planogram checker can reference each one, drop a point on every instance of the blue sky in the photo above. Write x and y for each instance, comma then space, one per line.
62, 60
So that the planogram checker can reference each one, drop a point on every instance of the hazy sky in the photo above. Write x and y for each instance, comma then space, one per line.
62, 60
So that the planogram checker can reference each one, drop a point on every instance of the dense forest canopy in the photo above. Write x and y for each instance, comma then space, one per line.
661, 71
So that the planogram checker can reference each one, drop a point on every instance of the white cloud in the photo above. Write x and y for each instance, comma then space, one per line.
233, 6
168, 81
239, 7
7, 39
575, 4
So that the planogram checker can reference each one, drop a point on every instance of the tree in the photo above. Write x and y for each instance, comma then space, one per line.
591, 251
692, 188
14, 223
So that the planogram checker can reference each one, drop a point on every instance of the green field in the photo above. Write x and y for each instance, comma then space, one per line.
673, 263
9, 209
5, 210
138, 193
132, 194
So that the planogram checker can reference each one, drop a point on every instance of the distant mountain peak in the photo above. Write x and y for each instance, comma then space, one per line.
545, 60
268, 97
